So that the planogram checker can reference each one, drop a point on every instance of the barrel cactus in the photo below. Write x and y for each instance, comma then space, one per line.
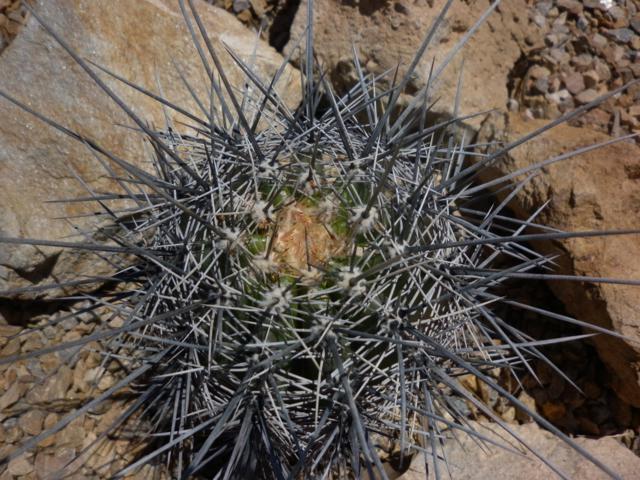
308, 285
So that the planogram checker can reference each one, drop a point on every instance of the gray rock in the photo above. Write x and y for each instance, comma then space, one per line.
619, 14
621, 35
582, 23
240, 5
559, 55
635, 23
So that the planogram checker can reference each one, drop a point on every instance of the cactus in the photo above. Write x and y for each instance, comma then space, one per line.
308, 291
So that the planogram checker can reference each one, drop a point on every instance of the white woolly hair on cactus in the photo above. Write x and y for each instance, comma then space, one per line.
305, 291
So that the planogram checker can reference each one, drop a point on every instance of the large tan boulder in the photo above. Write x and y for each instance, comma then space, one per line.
386, 34
137, 40
599, 190
468, 460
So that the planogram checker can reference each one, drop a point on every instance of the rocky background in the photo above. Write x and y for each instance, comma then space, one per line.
531, 61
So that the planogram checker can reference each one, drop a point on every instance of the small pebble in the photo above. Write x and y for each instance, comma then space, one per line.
586, 96
541, 85
590, 79
539, 71
582, 23
573, 6
619, 15
560, 55
602, 5
544, 6
539, 20
599, 41
240, 5
559, 97
574, 82
621, 35
22, 465
583, 61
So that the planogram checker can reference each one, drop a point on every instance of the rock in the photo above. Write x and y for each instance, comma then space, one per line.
622, 35
35, 160
11, 348
12, 395
31, 422
472, 460
634, 110
573, 6
541, 85
554, 411
539, 71
635, 23
54, 387
22, 465
559, 56
614, 54
602, 69
591, 79
598, 190
559, 97
240, 5
544, 7
583, 61
12, 432
47, 464
586, 96
553, 39
598, 41
574, 83
488, 57
582, 23
602, 5
72, 435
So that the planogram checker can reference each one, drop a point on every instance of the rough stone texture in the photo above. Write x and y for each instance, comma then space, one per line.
36, 393
468, 461
36, 162
388, 33
599, 190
